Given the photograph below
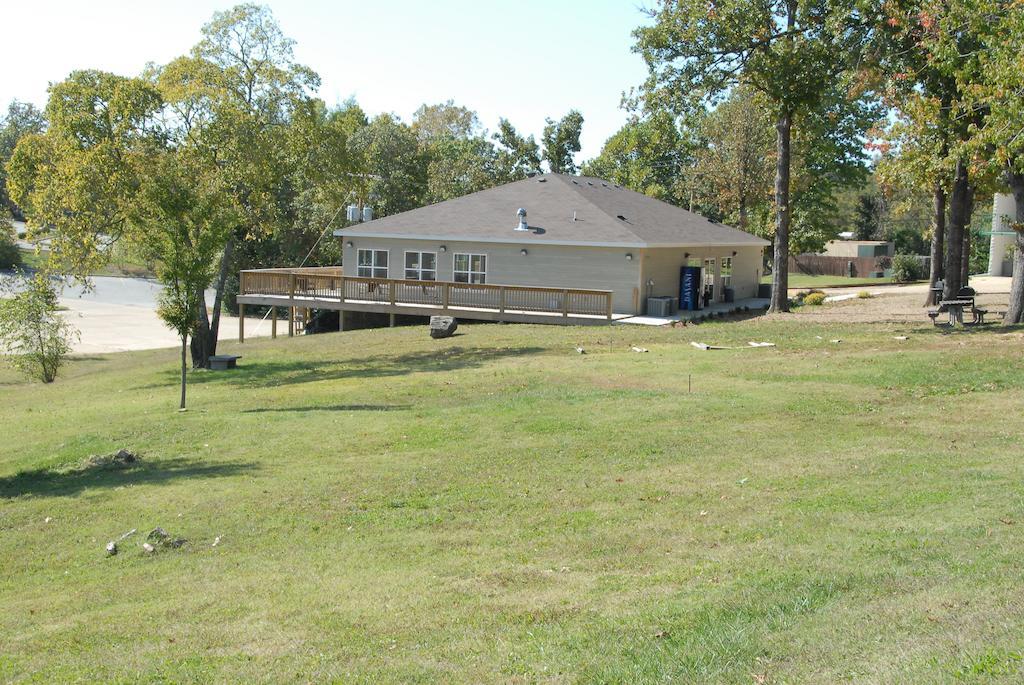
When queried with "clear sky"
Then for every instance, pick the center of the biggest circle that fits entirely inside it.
(524, 59)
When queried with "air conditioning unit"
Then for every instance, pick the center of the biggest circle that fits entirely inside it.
(659, 306)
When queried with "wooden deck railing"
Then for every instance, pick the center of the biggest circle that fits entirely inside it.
(330, 284)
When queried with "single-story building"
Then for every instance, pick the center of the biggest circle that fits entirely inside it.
(859, 249)
(548, 243)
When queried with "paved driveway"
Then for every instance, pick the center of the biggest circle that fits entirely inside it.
(119, 314)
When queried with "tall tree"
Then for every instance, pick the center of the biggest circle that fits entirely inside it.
(22, 119)
(999, 92)
(648, 155)
(394, 163)
(74, 181)
(737, 159)
(230, 100)
(518, 156)
(561, 142)
(791, 51)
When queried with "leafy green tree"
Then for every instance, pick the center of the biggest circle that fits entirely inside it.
(791, 51)
(517, 156)
(460, 158)
(445, 121)
(736, 162)
(181, 217)
(230, 101)
(394, 163)
(1000, 91)
(74, 180)
(34, 336)
(647, 155)
(931, 55)
(561, 142)
(459, 166)
(10, 255)
(22, 119)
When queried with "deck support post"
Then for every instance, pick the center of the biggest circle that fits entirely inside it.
(341, 320)
(391, 320)
(273, 323)
(565, 303)
(445, 295)
(291, 322)
(241, 323)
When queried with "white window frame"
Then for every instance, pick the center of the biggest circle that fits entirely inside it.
(470, 273)
(373, 269)
(418, 269)
(725, 271)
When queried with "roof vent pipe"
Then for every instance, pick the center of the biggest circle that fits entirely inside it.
(523, 226)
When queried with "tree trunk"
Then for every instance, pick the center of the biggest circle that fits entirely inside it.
(938, 234)
(218, 299)
(783, 214)
(1015, 313)
(184, 368)
(959, 201)
(204, 340)
(744, 221)
(965, 257)
(200, 358)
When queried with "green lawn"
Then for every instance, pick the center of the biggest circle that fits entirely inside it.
(807, 281)
(497, 508)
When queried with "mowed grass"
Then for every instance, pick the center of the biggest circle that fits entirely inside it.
(498, 508)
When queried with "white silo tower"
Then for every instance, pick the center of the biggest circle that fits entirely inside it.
(1000, 259)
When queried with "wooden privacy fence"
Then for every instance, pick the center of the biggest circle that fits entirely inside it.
(330, 285)
(824, 265)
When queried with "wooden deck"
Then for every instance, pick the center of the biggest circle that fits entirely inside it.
(329, 288)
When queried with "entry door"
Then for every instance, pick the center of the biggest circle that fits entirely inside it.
(709, 280)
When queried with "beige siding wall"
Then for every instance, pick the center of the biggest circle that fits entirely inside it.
(662, 266)
(554, 266)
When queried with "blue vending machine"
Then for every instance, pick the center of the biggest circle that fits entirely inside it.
(689, 288)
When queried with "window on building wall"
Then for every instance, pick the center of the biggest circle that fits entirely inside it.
(372, 263)
(421, 266)
(726, 272)
(470, 268)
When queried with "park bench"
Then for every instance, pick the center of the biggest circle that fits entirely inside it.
(223, 362)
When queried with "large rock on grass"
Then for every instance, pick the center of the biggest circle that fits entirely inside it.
(443, 326)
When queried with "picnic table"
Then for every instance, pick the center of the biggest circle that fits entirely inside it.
(955, 310)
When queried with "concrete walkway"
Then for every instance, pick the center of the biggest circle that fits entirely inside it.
(718, 308)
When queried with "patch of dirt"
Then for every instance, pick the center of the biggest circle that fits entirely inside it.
(901, 308)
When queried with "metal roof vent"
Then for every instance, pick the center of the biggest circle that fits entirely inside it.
(620, 217)
(523, 226)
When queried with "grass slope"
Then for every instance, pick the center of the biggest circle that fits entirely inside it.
(495, 507)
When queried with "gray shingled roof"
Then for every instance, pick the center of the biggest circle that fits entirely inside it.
(605, 215)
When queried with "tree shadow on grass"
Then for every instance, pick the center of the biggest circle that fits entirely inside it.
(332, 407)
(261, 373)
(67, 482)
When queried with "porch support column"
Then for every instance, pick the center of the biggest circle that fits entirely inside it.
(291, 321)
(273, 323)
